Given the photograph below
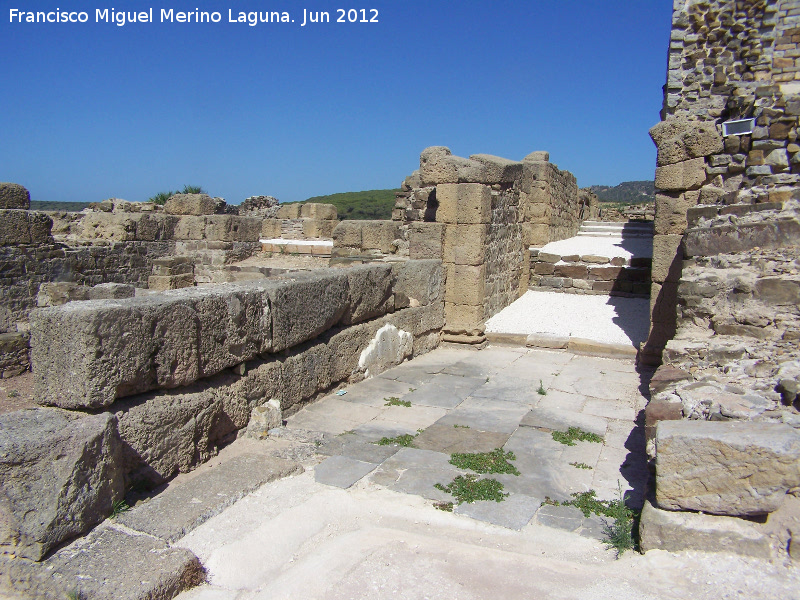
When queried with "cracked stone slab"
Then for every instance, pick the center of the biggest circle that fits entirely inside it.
(353, 446)
(445, 390)
(414, 471)
(514, 512)
(553, 419)
(107, 564)
(341, 471)
(181, 507)
(486, 414)
(455, 438)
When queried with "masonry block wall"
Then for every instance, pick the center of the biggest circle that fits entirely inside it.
(727, 61)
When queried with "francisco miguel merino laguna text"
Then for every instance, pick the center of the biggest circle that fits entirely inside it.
(170, 15)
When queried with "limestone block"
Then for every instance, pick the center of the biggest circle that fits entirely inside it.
(685, 175)
(464, 319)
(465, 244)
(24, 227)
(370, 293)
(435, 168)
(288, 211)
(778, 291)
(61, 473)
(271, 229)
(322, 212)
(190, 204)
(173, 265)
(388, 348)
(680, 531)
(466, 284)
(538, 156)
(535, 234)
(345, 348)
(498, 170)
(741, 237)
(160, 283)
(318, 228)
(379, 235)
(263, 418)
(89, 353)
(671, 212)
(667, 258)
(111, 291)
(306, 305)
(190, 228)
(347, 234)
(169, 432)
(678, 140)
(60, 292)
(466, 203)
(425, 240)
(418, 283)
(13, 195)
(304, 374)
(419, 320)
(232, 228)
(726, 468)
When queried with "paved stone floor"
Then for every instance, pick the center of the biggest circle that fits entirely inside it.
(361, 521)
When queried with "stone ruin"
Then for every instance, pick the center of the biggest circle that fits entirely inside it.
(723, 420)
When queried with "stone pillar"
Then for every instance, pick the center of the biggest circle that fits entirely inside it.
(466, 211)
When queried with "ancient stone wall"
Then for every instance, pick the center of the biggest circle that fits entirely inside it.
(727, 61)
(171, 376)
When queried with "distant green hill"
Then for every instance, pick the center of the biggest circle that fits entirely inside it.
(629, 192)
(62, 206)
(371, 204)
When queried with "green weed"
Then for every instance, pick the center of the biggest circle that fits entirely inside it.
(468, 489)
(404, 440)
(461, 426)
(394, 401)
(495, 461)
(118, 507)
(541, 391)
(445, 506)
(76, 595)
(573, 434)
(580, 465)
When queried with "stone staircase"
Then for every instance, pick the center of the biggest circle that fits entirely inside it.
(604, 258)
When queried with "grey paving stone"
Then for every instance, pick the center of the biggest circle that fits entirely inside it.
(486, 415)
(374, 430)
(183, 506)
(355, 447)
(107, 564)
(538, 485)
(444, 390)
(508, 389)
(469, 369)
(514, 512)
(534, 443)
(568, 518)
(341, 471)
(553, 419)
(373, 391)
(409, 373)
(610, 409)
(414, 471)
(449, 439)
(594, 527)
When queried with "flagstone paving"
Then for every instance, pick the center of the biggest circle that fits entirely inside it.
(466, 401)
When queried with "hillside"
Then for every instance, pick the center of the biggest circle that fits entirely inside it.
(628, 192)
(370, 204)
(63, 206)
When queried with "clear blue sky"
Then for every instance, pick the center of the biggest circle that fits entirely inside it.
(92, 111)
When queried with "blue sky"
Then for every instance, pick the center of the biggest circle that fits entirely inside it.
(92, 111)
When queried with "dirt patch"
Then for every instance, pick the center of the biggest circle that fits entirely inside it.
(16, 393)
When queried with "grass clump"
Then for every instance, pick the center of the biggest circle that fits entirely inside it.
(580, 465)
(461, 426)
(162, 197)
(118, 507)
(445, 506)
(619, 520)
(395, 401)
(404, 440)
(541, 391)
(76, 595)
(495, 461)
(573, 434)
(468, 489)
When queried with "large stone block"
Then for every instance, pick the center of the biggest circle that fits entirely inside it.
(418, 283)
(671, 211)
(322, 212)
(465, 203)
(708, 241)
(304, 374)
(306, 305)
(125, 227)
(667, 258)
(318, 228)
(379, 235)
(725, 468)
(466, 284)
(436, 166)
(13, 195)
(190, 204)
(370, 293)
(288, 211)
(465, 244)
(686, 175)
(170, 432)
(680, 531)
(86, 354)
(347, 234)
(24, 227)
(232, 228)
(425, 240)
(271, 229)
(679, 140)
(498, 170)
(463, 319)
(61, 473)
(778, 291)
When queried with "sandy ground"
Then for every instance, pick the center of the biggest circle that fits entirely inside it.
(601, 246)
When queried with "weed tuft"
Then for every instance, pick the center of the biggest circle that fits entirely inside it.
(118, 507)
(495, 461)
(76, 594)
(461, 426)
(573, 434)
(445, 506)
(395, 401)
(468, 489)
(580, 465)
(541, 391)
(404, 440)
